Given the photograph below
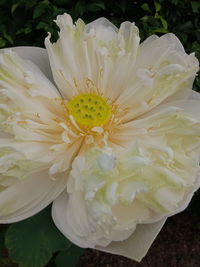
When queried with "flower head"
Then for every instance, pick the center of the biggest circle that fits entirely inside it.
(119, 136)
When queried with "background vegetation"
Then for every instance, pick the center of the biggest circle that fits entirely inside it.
(26, 23)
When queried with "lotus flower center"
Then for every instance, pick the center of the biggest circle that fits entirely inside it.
(89, 109)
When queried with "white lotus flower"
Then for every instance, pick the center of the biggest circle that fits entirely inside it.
(116, 146)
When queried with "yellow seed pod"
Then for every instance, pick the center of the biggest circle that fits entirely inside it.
(89, 109)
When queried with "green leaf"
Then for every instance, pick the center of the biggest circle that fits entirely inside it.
(32, 241)
(96, 6)
(175, 2)
(195, 6)
(14, 7)
(159, 30)
(30, 4)
(164, 23)
(40, 9)
(69, 257)
(61, 2)
(145, 7)
(8, 37)
(196, 46)
(2, 42)
(145, 18)
(80, 8)
(41, 25)
(157, 6)
(26, 30)
(2, 245)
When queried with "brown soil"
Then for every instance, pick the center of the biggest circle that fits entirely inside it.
(177, 245)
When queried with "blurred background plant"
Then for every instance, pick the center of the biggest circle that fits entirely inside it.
(26, 23)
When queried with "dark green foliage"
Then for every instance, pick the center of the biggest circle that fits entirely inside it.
(2, 246)
(32, 242)
(27, 22)
(68, 257)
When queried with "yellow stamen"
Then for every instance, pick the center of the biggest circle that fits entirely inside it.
(89, 109)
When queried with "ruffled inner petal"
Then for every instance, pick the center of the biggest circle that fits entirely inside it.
(97, 51)
(155, 177)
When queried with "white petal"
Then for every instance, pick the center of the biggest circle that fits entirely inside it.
(97, 51)
(71, 219)
(29, 196)
(21, 198)
(162, 70)
(185, 202)
(137, 245)
(194, 95)
(38, 56)
(168, 39)
(188, 102)
(103, 29)
(23, 73)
